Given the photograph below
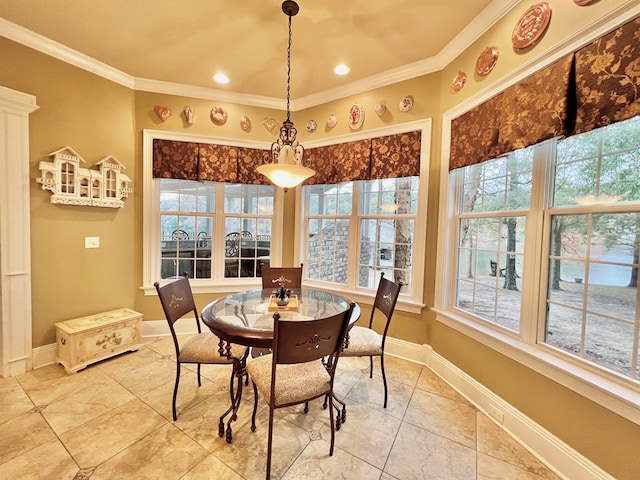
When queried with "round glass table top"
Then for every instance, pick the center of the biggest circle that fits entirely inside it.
(247, 317)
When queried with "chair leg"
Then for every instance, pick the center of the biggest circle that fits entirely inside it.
(199, 378)
(270, 441)
(370, 367)
(384, 379)
(175, 392)
(333, 427)
(255, 408)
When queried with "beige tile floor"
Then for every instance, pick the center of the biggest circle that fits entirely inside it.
(112, 420)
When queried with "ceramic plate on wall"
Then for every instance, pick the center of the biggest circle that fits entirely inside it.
(406, 104)
(356, 116)
(458, 81)
(486, 61)
(531, 26)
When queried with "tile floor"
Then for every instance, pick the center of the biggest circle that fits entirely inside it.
(112, 420)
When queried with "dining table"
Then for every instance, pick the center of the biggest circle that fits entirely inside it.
(246, 318)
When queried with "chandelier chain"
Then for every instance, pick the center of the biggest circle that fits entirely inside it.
(289, 69)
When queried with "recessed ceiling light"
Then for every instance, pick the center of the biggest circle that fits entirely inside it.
(341, 69)
(221, 78)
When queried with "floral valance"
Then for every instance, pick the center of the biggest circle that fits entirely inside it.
(391, 156)
(177, 160)
(383, 157)
(206, 161)
(474, 135)
(595, 86)
(395, 156)
(608, 78)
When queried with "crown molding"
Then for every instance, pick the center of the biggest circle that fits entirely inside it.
(65, 54)
(483, 21)
(169, 88)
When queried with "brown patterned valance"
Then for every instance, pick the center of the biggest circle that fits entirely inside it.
(390, 156)
(173, 159)
(396, 156)
(608, 78)
(352, 161)
(474, 135)
(385, 157)
(536, 108)
(321, 159)
(217, 163)
(206, 161)
(595, 86)
(248, 160)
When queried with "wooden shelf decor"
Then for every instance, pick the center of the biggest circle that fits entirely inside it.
(72, 184)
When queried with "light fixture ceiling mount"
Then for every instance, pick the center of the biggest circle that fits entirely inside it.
(285, 167)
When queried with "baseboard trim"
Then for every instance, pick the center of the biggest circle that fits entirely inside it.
(553, 452)
(560, 457)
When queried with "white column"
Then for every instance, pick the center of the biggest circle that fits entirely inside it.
(15, 241)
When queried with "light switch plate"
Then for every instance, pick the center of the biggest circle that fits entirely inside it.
(91, 242)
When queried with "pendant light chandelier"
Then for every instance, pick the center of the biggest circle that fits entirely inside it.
(285, 168)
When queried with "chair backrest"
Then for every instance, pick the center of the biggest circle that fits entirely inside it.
(177, 301)
(300, 341)
(385, 301)
(292, 276)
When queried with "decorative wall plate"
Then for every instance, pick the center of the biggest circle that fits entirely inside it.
(163, 112)
(380, 109)
(219, 115)
(406, 103)
(458, 81)
(486, 61)
(245, 123)
(269, 124)
(356, 116)
(531, 26)
(582, 3)
(311, 126)
(332, 121)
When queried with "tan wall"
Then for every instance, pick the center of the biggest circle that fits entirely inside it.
(95, 118)
(99, 118)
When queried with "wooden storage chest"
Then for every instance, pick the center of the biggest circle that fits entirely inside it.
(86, 340)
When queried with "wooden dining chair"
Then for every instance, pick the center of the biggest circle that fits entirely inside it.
(177, 301)
(366, 342)
(291, 275)
(295, 373)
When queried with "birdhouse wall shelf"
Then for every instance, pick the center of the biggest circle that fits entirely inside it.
(103, 185)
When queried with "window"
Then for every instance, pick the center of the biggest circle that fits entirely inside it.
(188, 220)
(353, 231)
(495, 200)
(546, 251)
(594, 228)
(220, 234)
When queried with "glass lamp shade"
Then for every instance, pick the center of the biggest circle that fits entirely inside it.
(287, 173)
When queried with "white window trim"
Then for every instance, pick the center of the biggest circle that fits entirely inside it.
(150, 205)
(618, 396)
(415, 302)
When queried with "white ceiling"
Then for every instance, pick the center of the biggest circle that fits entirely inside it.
(186, 42)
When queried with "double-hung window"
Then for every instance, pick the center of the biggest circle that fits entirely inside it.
(219, 234)
(543, 252)
(354, 231)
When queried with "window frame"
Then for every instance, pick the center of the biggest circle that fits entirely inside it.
(151, 208)
(615, 394)
(413, 303)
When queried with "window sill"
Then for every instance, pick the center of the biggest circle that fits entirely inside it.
(206, 286)
(619, 397)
